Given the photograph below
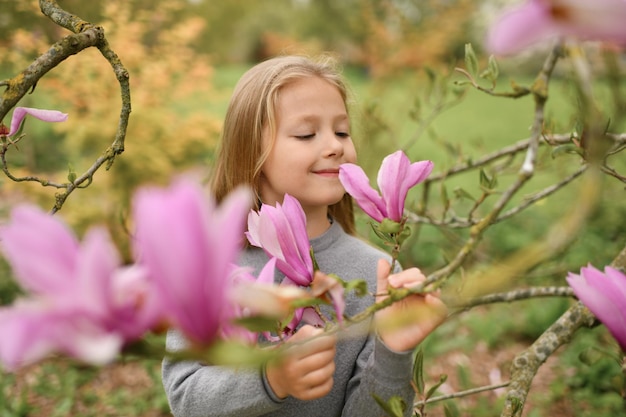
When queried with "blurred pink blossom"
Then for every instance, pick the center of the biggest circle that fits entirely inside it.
(604, 294)
(79, 300)
(260, 297)
(281, 232)
(538, 20)
(189, 246)
(396, 176)
(46, 115)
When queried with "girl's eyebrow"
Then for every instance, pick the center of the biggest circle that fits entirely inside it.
(315, 117)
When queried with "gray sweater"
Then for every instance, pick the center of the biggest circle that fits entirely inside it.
(363, 364)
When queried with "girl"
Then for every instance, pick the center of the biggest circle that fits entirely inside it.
(287, 131)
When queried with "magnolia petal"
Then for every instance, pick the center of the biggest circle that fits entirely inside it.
(356, 183)
(396, 177)
(297, 220)
(290, 223)
(415, 174)
(598, 20)
(267, 300)
(135, 305)
(190, 266)
(38, 330)
(598, 293)
(229, 223)
(41, 250)
(46, 115)
(266, 276)
(90, 345)
(616, 276)
(601, 20)
(310, 316)
(264, 233)
(254, 220)
(95, 267)
(281, 232)
(25, 323)
(511, 32)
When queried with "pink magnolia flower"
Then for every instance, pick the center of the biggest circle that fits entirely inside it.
(396, 176)
(188, 246)
(261, 297)
(80, 302)
(250, 296)
(281, 232)
(604, 294)
(538, 20)
(46, 115)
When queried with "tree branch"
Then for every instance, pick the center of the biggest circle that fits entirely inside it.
(526, 364)
(516, 295)
(84, 35)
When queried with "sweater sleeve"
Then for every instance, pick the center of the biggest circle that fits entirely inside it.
(379, 371)
(196, 390)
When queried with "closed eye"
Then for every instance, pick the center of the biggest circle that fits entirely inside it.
(305, 137)
(343, 134)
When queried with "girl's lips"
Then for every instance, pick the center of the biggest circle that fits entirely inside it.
(327, 172)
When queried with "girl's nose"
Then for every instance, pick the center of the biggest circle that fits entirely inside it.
(333, 145)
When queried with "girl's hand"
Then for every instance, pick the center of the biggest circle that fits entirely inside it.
(406, 323)
(306, 370)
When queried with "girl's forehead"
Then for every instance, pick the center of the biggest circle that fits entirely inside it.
(310, 94)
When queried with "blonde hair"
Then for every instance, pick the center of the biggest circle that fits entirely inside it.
(252, 107)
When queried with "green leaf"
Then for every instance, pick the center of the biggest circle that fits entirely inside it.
(435, 387)
(315, 265)
(590, 356)
(567, 148)
(404, 234)
(390, 226)
(517, 405)
(393, 408)
(382, 236)
(358, 285)
(470, 59)
(491, 72)
(418, 371)
(307, 302)
(486, 182)
(71, 175)
(232, 353)
(460, 193)
(257, 323)
(493, 67)
(450, 409)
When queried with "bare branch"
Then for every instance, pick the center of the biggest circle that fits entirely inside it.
(84, 35)
(540, 93)
(526, 364)
(517, 295)
(19, 85)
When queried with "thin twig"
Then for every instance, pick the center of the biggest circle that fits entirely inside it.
(462, 394)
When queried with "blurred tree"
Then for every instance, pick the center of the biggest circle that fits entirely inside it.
(168, 132)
